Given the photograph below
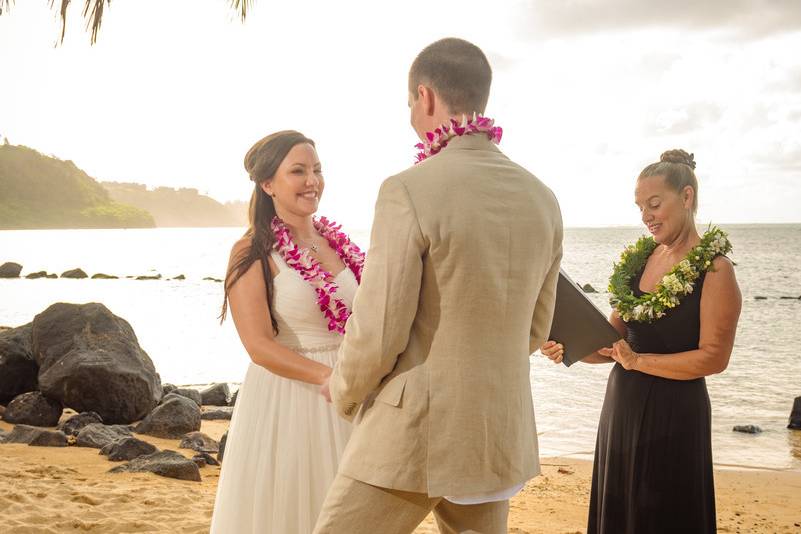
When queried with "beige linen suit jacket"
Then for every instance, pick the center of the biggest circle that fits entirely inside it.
(458, 290)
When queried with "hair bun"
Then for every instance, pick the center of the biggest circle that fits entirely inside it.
(678, 155)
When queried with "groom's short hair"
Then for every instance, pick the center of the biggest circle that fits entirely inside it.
(457, 70)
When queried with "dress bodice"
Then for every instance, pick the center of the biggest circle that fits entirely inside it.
(678, 331)
(301, 324)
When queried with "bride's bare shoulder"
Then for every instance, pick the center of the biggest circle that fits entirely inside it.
(241, 249)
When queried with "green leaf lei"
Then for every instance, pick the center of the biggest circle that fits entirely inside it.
(675, 284)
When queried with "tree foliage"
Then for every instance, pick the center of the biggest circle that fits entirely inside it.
(38, 191)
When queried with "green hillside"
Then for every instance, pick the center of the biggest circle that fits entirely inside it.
(38, 191)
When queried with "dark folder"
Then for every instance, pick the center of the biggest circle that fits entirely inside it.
(577, 323)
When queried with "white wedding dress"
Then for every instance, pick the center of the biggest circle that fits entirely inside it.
(285, 440)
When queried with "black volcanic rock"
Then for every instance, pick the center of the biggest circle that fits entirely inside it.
(216, 395)
(127, 449)
(33, 409)
(172, 419)
(200, 442)
(49, 438)
(221, 413)
(23, 434)
(18, 368)
(149, 277)
(76, 423)
(223, 441)
(90, 360)
(165, 463)
(747, 429)
(795, 415)
(205, 459)
(97, 436)
(189, 393)
(74, 273)
(10, 270)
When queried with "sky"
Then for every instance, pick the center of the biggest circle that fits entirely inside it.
(588, 92)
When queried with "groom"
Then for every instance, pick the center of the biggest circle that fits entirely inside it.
(457, 291)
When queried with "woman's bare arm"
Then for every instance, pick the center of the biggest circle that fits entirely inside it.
(248, 304)
(721, 303)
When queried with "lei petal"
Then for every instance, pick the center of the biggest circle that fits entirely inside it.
(439, 138)
(334, 310)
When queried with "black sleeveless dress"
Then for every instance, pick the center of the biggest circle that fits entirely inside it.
(653, 456)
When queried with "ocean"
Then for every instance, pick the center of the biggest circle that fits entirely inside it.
(176, 323)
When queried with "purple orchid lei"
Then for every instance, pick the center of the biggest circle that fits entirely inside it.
(335, 310)
(439, 138)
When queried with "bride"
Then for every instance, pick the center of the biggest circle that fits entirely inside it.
(290, 286)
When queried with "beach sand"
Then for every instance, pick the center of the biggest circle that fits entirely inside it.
(57, 490)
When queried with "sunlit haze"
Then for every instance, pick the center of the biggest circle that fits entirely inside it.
(174, 93)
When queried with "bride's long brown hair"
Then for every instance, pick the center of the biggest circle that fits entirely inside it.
(261, 162)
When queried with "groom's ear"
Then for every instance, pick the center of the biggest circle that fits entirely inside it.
(428, 99)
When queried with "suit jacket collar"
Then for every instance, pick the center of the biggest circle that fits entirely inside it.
(477, 141)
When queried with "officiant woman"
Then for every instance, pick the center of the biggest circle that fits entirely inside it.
(676, 304)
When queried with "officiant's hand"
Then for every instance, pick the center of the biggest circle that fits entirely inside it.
(553, 351)
(325, 391)
(621, 352)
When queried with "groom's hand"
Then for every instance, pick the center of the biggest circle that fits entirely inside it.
(325, 390)
(553, 351)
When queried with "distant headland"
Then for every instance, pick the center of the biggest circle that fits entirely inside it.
(43, 192)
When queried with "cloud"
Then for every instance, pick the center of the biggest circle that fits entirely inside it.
(782, 157)
(685, 119)
(744, 18)
(789, 83)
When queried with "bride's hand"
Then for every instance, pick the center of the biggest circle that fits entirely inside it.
(621, 352)
(325, 391)
(553, 351)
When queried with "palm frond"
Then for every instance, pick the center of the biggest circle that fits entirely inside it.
(242, 6)
(5, 5)
(96, 7)
(93, 13)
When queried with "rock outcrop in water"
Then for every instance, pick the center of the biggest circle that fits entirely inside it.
(10, 270)
(748, 429)
(795, 415)
(74, 273)
(103, 276)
